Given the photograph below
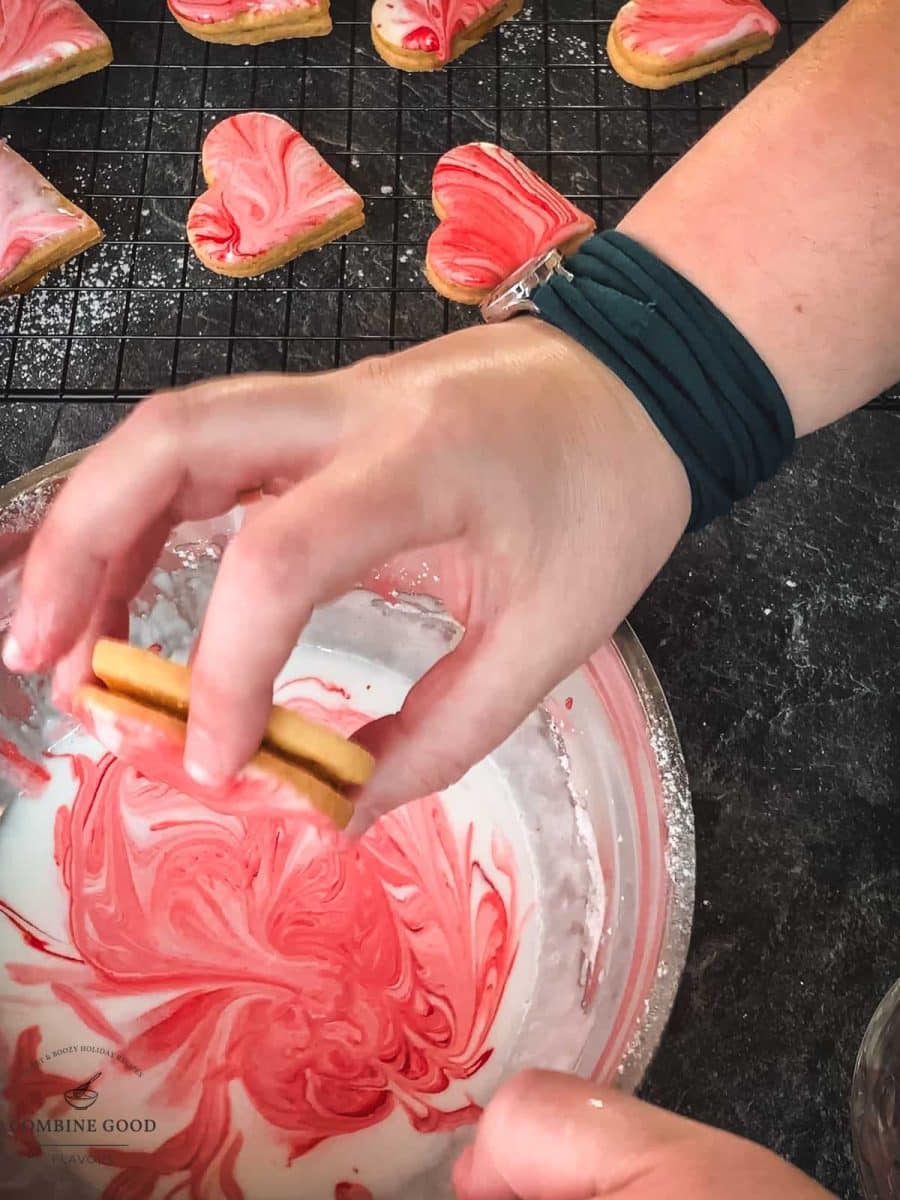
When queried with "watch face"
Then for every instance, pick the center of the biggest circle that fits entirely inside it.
(513, 296)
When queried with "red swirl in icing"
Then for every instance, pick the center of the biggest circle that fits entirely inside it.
(29, 1089)
(24, 774)
(30, 212)
(426, 25)
(37, 34)
(208, 12)
(331, 985)
(678, 30)
(498, 214)
(268, 185)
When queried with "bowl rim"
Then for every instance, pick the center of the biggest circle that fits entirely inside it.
(55, 468)
(677, 814)
(673, 793)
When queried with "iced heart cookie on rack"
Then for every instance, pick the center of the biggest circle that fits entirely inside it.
(496, 215)
(424, 35)
(658, 43)
(271, 196)
(44, 43)
(39, 228)
(250, 22)
(140, 714)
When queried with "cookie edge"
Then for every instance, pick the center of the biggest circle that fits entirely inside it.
(314, 792)
(32, 83)
(53, 253)
(350, 218)
(473, 296)
(418, 61)
(255, 28)
(654, 73)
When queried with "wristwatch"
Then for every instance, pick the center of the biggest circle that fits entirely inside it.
(513, 297)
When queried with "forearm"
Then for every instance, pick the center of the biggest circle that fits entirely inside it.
(787, 215)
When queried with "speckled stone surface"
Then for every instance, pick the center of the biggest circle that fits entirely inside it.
(776, 633)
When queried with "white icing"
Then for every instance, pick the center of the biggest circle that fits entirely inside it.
(521, 791)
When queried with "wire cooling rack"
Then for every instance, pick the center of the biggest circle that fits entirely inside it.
(139, 312)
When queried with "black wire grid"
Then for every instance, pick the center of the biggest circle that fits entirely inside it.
(139, 312)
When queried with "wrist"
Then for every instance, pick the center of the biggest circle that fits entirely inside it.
(700, 381)
(644, 478)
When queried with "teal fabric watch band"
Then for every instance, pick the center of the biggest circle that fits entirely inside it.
(704, 386)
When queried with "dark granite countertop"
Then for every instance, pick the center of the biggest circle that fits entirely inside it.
(776, 635)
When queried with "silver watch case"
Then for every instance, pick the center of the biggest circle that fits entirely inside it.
(513, 297)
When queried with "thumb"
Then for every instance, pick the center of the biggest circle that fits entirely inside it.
(547, 1136)
(554, 1137)
(459, 711)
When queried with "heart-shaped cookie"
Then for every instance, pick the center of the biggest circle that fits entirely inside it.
(424, 35)
(39, 228)
(271, 196)
(496, 214)
(658, 43)
(249, 22)
(44, 43)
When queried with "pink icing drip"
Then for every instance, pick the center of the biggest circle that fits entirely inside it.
(683, 29)
(335, 984)
(269, 186)
(25, 774)
(30, 212)
(428, 25)
(498, 215)
(209, 11)
(35, 34)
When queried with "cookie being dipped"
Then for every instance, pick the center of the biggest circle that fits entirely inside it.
(140, 714)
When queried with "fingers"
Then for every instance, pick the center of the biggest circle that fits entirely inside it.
(109, 617)
(301, 550)
(190, 451)
(461, 710)
(554, 1137)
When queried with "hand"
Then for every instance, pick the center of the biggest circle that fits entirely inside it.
(553, 1137)
(546, 496)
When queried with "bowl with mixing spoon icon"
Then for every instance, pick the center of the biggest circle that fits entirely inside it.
(84, 1095)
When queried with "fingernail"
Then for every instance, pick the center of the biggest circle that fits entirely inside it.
(13, 656)
(202, 760)
(22, 643)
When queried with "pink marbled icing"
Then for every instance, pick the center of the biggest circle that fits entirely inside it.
(680, 30)
(30, 212)
(428, 26)
(36, 35)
